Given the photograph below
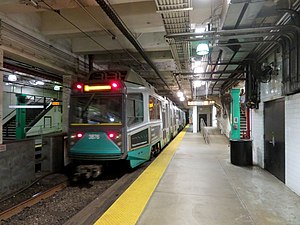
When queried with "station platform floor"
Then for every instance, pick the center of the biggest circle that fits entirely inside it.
(194, 183)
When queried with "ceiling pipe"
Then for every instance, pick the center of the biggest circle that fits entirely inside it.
(225, 63)
(234, 32)
(231, 79)
(106, 7)
(207, 73)
(96, 20)
(224, 70)
(216, 79)
(215, 65)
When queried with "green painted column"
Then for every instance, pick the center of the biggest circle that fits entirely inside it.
(235, 114)
(20, 117)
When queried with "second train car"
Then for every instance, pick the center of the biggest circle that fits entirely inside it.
(117, 115)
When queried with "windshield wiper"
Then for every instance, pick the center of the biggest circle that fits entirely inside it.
(85, 108)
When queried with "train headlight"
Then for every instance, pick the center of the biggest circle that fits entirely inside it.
(75, 137)
(116, 138)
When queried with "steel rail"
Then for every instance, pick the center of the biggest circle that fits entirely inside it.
(32, 201)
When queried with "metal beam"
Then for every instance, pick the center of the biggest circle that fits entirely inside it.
(234, 32)
(208, 73)
(226, 63)
(216, 79)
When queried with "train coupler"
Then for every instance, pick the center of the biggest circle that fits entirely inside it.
(88, 171)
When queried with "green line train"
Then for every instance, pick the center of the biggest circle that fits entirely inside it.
(117, 115)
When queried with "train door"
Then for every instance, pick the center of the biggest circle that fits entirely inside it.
(274, 138)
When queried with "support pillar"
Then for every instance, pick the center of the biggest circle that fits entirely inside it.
(235, 114)
(195, 119)
(67, 84)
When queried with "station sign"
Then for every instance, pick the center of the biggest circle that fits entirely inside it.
(56, 103)
(195, 103)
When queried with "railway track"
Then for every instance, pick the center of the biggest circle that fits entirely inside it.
(32, 201)
(73, 203)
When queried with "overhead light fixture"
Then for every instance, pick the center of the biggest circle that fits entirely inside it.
(26, 106)
(202, 49)
(198, 83)
(33, 82)
(12, 77)
(179, 94)
(56, 88)
(206, 102)
(39, 82)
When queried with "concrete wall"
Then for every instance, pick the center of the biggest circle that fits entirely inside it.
(17, 166)
(53, 153)
(224, 125)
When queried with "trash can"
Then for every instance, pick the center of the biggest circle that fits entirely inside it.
(241, 152)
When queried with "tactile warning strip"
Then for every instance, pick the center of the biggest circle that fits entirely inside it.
(129, 206)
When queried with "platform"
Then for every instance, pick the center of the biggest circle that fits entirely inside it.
(201, 186)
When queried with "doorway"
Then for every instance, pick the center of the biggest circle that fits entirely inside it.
(204, 117)
(274, 138)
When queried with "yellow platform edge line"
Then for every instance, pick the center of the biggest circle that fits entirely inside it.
(127, 209)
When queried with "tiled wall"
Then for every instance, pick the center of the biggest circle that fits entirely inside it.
(292, 142)
(257, 135)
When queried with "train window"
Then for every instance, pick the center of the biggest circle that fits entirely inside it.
(134, 108)
(93, 109)
(154, 108)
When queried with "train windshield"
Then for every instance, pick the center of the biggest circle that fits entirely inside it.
(96, 109)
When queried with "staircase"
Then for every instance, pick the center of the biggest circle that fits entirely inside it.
(243, 125)
(9, 128)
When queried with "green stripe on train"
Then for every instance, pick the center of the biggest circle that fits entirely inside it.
(139, 156)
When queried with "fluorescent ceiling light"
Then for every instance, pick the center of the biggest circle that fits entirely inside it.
(39, 82)
(198, 83)
(12, 77)
(179, 94)
(199, 29)
(56, 88)
(26, 106)
(202, 49)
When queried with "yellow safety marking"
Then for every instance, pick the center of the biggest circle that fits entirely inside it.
(128, 207)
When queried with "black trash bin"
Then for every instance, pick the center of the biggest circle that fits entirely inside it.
(241, 152)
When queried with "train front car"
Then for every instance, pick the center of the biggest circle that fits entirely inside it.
(96, 125)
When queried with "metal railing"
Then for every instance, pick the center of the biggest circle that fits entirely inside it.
(41, 130)
(204, 131)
